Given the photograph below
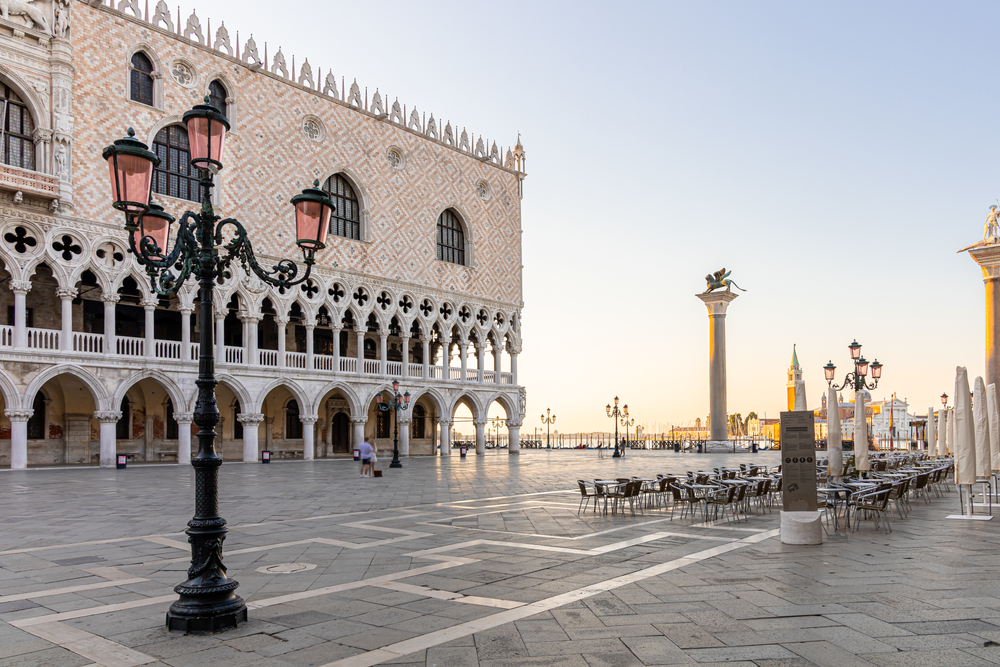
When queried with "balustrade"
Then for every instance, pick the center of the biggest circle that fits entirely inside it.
(234, 355)
(394, 368)
(472, 374)
(127, 346)
(416, 370)
(168, 349)
(195, 351)
(43, 339)
(295, 359)
(348, 365)
(88, 342)
(372, 366)
(454, 373)
(488, 376)
(436, 372)
(323, 362)
(506, 378)
(6, 336)
(268, 357)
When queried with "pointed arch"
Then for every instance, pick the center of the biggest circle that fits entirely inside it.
(173, 391)
(26, 92)
(345, 390)
(362, 194)
(434, 396)
(471, 401)
(97, 390)
(507, 403)
(11, 398)
(463, 219)
(293, 387)
(233, 384)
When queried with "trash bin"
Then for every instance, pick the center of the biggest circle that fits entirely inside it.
(753, 447)
(677, 447)
(122, 462)
(357, 454)
(265, 456)
(700, 447)
(462, 451)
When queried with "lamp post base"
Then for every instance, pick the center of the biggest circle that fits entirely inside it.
(192, 616)
(395, 464)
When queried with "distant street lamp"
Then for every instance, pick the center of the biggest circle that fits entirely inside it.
(397, 404)
(497, 422)
(617, 414)
(944, 401)
(626, 422)
(548, 421)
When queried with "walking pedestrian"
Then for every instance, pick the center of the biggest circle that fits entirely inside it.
(366, 451)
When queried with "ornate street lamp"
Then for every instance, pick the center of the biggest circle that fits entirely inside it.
(616, 414)
(496, 423)
(944, 401)
(855, 380)
(208, 600)
(397, 404)
(626, 422)
(548, 421)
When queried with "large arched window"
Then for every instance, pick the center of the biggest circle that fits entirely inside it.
(170, 422)
(346, 218)
(123, 429)
(175, 176)
(36, 422)
(217, 95)
(417, 428)
(382, 424)
(18, 126)
(293, 425)
(237, 424)
(141, 79)
(450, 238)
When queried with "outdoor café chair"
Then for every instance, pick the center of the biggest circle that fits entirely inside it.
(723, 498)
(588, 492)
(872, 504)
(686, 497)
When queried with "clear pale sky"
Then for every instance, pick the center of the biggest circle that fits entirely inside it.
(834, 156)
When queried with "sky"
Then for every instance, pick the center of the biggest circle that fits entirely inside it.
(834, 156)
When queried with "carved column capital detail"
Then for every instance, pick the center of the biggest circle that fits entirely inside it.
(16, 415)
(108, 416)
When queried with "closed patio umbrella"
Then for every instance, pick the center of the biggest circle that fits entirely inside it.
(965, 434)
(860, 433)
(834, 439)
(800, 397)
(951, 431)
(993, 410)
(943, 433)
(931, 432)
(980, 414)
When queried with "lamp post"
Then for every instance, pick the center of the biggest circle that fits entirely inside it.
(944, 401)
(548, 419)
(616, 414)
(397, 404)
(204, 247)
(496, 423)
(626, 422)
(855, 380)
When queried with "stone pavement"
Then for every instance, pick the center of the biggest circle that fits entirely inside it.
(482, 561)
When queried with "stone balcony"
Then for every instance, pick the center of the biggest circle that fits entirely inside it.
(30, 182)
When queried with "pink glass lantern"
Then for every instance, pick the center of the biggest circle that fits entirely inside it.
(207, 128)
(130, 164)
(312, 217)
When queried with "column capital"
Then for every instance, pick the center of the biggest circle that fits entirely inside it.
(250, 318)
(514, 423)
(21, 287)
(16, 415)
(444, 421)
(308, 420)
(186, 309)
(988, 258)
(149, 303)
(480, 422)
(282, 321)
(111, 298)
(359, 420)
(250, 418)
(360, 329)
(67, 292)
(108, 416)
(403, 421)
(383, 334)
(183, 417)
(717, 302)
(404, 335)
(309, 324)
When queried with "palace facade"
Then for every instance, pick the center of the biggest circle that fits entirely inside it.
(420, 281)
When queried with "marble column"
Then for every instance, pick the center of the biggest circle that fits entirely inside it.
(20, 288)
(269, 433)
(110, 303)
(109, 445)
(463, 352)
(404, 437)
(513, 437)
(149, 305)
(404, 343)
(220, 338)
(310, 346)
(446, 360)
(988, 258)
(383, 347)
(250, 339)
(282, 323)
(359, 431)
(717, 304)
(251, 432)
(186, 340)
(513, 366)
(184, 420)
(361, 352)
(480, 436)
(66, 296)
(497, 351)
(425, 341)
(308, 434)
(336, 350)
(481, 359)
(445, 439)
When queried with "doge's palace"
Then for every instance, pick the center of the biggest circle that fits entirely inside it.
(420, 281)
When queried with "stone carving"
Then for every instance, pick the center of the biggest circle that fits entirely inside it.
(449, 136)
(18, 197)
(483, 190)
(108, 416)
(414, 123)
(193, 28)
(162, 14)
(354, 97)
(395, 158)
(330, 86)
(313, 128)
(131, 4)
(480, 148)
(721, 279)
(431, 128)
(509, 160)
(110, 256)
(254, 285)
(463, 143)
(250, 53)
(306, 75)
(222, 40)
(181, 73)
(396, 114)
(376, 107)
(62, 170)
(494, 154)
(279, 64)
(62, 19)
(991, 227)
(24, 8)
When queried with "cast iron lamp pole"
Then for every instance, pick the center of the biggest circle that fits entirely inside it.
(208, 600)
(617, 414)
(496, 423)
(548, 421)
(397, 404)
(626, 422)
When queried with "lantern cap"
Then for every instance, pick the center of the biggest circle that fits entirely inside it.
(206, 110)
(129, 145)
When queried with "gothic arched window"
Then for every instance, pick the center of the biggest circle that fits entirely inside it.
(18, 126)
(293, 425)
(382, 424)
(450, 238)
(417, 428)
(36, 423)
(217, 95)
(141, 79)
(124, 426)
(175, 176)
(346, 218)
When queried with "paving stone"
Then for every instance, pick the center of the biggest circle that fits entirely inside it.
(688, 635)
(452, 657)
(656, 651)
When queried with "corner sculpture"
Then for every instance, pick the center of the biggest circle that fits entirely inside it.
(720, 279)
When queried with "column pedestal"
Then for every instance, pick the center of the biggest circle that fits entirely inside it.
(184, 420)
(251, 423)
(308, 432)
(717, 304)
(480, 437)
(109, 424)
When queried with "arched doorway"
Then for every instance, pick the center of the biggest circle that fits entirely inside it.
(340, 434)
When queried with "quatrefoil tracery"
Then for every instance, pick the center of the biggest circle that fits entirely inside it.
(361, 296)
(337, 292)
(67, 247)
(406, 303)
(384, 301)
(21, 239)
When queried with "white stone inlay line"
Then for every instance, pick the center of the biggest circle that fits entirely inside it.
(451, 596)
(407, 646)
(114, 576)
(91, 611)
(102, 651)
(167, 542)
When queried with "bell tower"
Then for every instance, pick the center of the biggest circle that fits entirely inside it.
(794, 377)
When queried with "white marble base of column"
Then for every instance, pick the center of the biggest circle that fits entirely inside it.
(184, 421)
(109, 443)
